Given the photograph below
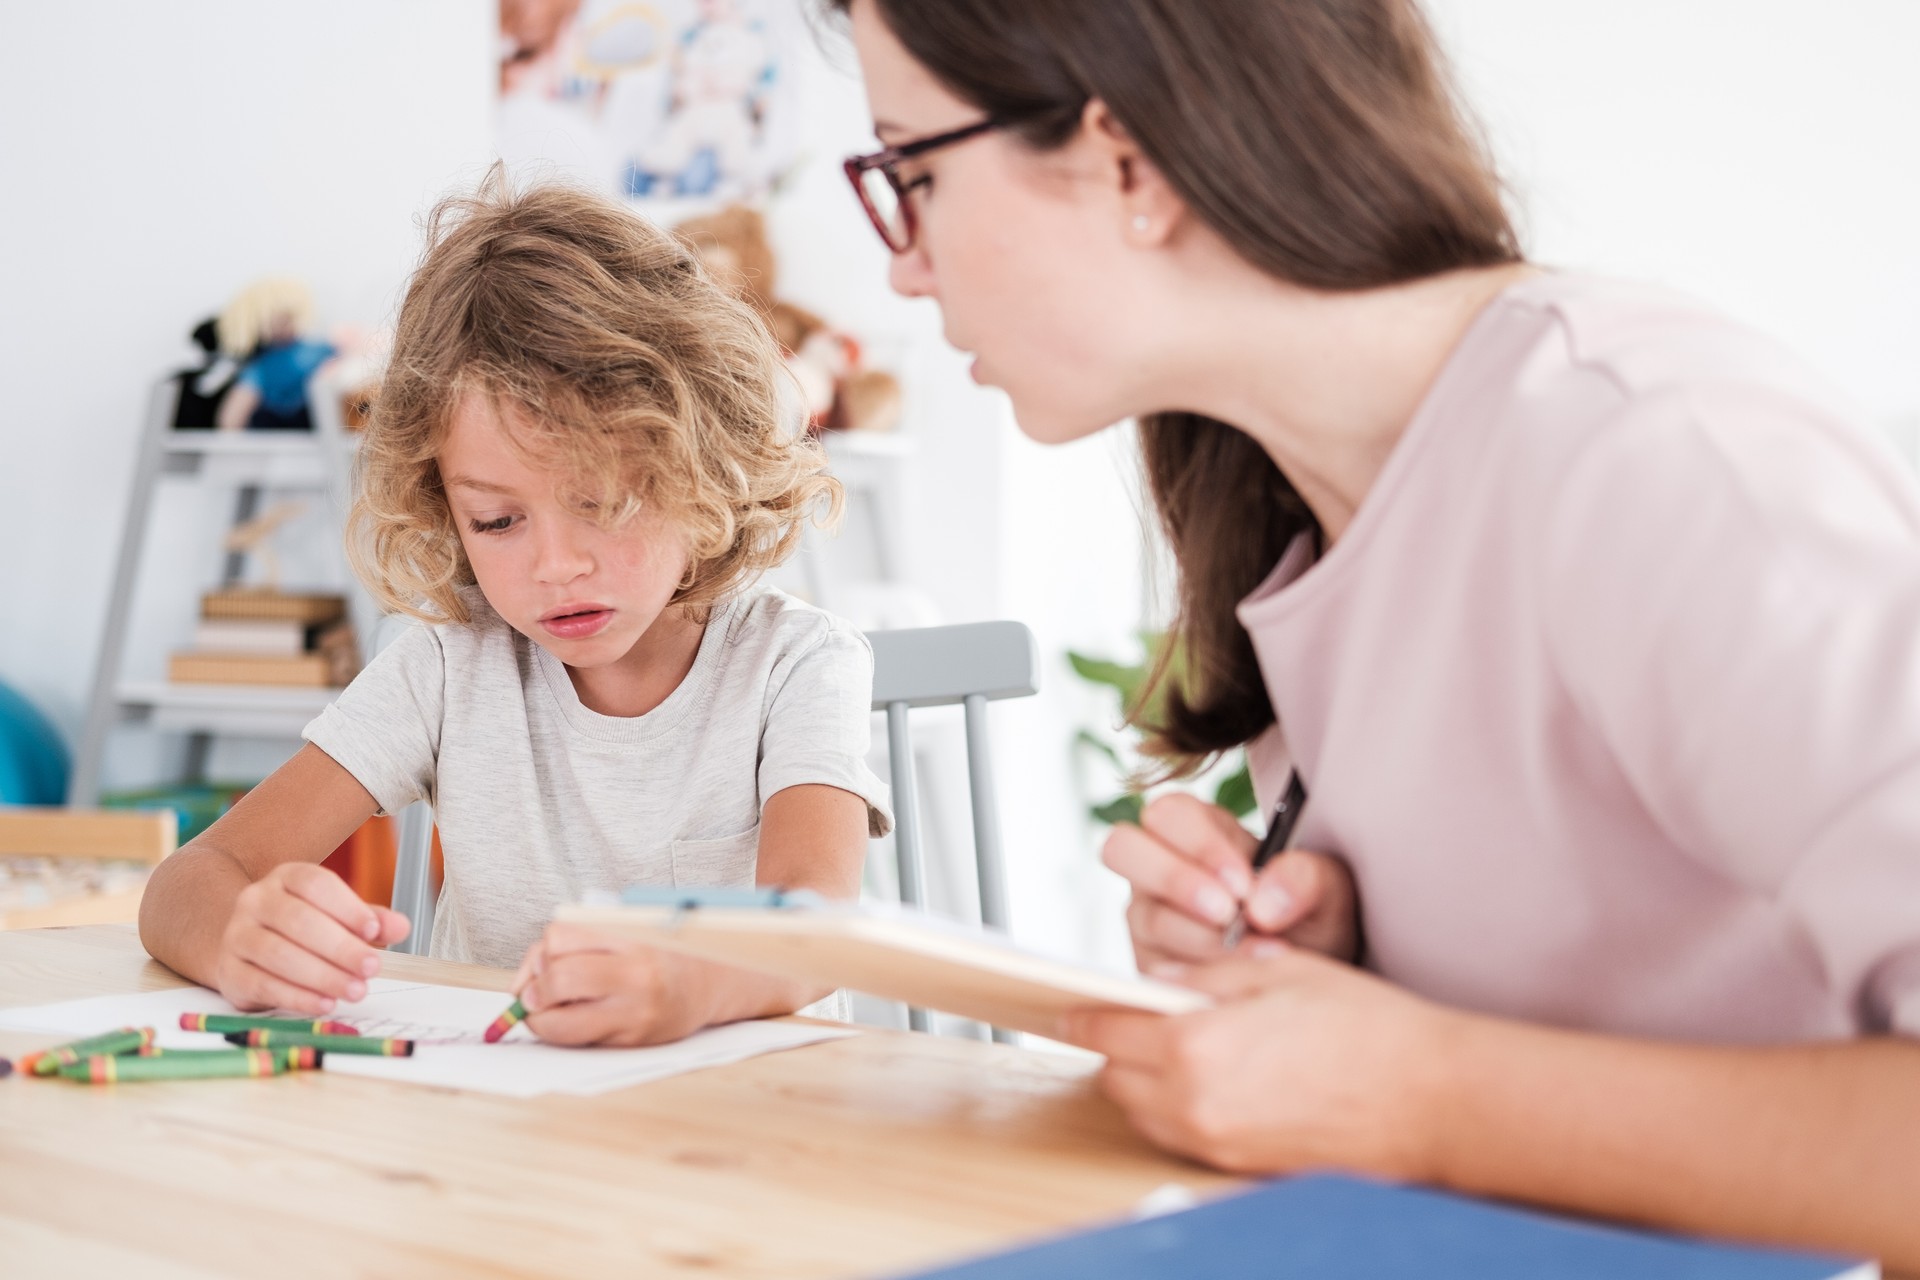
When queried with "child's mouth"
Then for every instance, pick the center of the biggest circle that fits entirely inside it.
(577, 624)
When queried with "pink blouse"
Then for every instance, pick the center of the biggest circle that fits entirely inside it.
(1610, 694)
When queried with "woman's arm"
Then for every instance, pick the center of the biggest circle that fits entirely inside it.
(580, 986)
(1813, 1144)
(244, 908)
(1306, 1063)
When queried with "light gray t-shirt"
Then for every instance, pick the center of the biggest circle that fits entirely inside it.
(540, 800)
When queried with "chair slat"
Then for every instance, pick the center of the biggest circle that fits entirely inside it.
(943, 666)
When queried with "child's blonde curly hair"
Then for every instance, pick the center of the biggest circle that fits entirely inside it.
(635, 376)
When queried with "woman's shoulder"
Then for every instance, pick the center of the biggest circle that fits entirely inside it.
(1628, 390)
(1647, 340)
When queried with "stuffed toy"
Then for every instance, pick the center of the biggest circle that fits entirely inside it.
(839, 393)
(203, 388)
(262, 327)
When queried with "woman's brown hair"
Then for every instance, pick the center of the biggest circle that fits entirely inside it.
(1318, 138)
(631, 374)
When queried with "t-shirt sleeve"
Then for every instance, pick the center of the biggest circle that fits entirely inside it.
(384, 728)
(819, 724)
(1732, 587)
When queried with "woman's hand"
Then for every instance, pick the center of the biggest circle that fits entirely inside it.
(1189, 863)
(299, 939)
(581, 987)
(1303, 1063)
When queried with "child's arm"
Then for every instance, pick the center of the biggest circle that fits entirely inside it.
(1310, 1064)
(244, 908)
(583, 987)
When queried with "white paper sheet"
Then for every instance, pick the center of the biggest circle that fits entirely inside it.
(446, 1025)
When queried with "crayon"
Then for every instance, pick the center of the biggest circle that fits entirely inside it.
(374, 1045)
(226, 1022)
(6, 1068)
(125, 1040)
(299, 1058)
(181, 1064)
(516, 1012)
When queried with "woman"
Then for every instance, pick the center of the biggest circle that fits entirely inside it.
(1591, 628)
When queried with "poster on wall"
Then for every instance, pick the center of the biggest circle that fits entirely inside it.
(681, 105)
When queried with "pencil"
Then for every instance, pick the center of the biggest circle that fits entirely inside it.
(1279, 831)
(516, 1013)
(225, 1022)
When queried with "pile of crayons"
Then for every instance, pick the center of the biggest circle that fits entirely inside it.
(263, 1047)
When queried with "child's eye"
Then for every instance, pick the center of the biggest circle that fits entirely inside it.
(499, 524)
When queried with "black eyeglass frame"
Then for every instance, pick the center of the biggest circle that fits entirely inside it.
(888, 163)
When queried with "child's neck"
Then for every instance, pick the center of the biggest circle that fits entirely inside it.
(649, 672)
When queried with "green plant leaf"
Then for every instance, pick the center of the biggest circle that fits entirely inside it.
(1085, 738)
(1117, 810)
(1235, 793)
(1119, 676)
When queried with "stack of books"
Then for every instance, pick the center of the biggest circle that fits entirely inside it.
(269, 637)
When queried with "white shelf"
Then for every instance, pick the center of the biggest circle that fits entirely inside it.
(247, 444)
(276, 459)
(246, 710)
(866, 444)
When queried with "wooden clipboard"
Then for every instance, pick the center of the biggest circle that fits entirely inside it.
(894, 954)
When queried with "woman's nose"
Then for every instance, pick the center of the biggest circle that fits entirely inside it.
(911, 274)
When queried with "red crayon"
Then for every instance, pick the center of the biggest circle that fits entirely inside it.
(505, 1022)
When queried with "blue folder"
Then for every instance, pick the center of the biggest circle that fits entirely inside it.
(1333, 1227)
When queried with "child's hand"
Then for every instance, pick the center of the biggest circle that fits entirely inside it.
(1189, 863)
(1302, 1064)
(580, 986)
(300, 940)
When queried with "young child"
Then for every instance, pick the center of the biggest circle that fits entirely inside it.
(579, 462)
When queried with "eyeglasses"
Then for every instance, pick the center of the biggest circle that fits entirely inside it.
(876, 180)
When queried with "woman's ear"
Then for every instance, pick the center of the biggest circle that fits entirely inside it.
(1147, 204)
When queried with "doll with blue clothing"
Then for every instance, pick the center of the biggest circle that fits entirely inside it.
(263, 328)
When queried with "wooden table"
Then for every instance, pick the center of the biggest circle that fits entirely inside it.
(866, 1156)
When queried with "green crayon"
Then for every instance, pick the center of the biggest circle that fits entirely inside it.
(225, 1023)
(376, 1046)
(302, 1057)
(180, 1064)
(125, 1040)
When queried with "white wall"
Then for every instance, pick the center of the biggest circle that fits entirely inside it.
(1763, 154)
(153, 159)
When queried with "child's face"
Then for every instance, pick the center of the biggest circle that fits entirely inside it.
(584, 593)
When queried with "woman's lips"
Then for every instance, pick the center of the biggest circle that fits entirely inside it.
(577, 626)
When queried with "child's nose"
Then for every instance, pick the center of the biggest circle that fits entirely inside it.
(562, 558)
